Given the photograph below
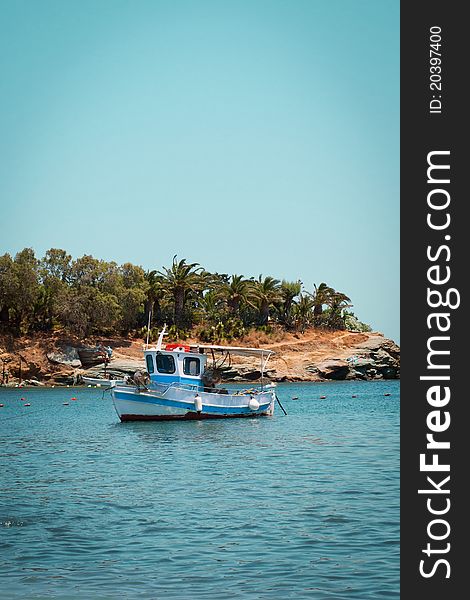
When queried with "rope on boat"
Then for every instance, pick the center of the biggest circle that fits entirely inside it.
(106, 391)
(279, 402)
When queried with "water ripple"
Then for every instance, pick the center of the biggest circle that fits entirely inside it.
(303, 506)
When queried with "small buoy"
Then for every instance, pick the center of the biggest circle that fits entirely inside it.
(73, 398)
(27, 404)
(198, 403)
(387, 394)
(253, 404)
(322, 397)
(65, 403)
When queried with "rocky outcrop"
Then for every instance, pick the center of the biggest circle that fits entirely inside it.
(341, 356)
(117, 368)
(328, 356)
(67, 355)
(333, 368)
(376, 358)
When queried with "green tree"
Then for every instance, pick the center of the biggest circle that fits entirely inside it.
(211, 307)
(321, 297)
(54, 276)
(56, 265)
(338, 303)
(352, 323)
(7, 288)
(133, 276)
(237, 292)
(155, 296)
(21, 289)
(289, 290)
(85, 271)
(131, 295)
(131, 301)
(303, 312)
(267, 292)
(87, 310)
(181, 280)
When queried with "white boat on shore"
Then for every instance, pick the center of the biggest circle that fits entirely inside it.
(179, 385)
(102, 382)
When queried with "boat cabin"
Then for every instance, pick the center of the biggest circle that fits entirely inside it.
(182, 364)
(175, 363)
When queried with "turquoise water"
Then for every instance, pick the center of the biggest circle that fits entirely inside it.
(303, 506)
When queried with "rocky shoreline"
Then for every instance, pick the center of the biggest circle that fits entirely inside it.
(314, 356)
(334, 356)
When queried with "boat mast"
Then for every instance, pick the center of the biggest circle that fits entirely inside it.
(148, 330)
(262, 370)
(264, 364)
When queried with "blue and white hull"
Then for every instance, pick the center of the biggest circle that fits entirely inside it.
(164, 403)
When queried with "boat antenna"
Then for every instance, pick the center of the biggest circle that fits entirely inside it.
(262, 370)
(148, 330)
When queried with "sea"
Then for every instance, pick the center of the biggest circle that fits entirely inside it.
(303, 505)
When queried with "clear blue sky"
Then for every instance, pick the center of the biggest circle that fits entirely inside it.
(251, 136)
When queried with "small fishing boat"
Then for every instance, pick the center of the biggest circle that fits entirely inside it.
(102, 382)
(179, 384)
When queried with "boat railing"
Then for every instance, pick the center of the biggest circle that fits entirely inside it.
(164, 388)
(192, 387)
(242, 391)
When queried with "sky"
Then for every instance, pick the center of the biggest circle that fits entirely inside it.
(250, 136)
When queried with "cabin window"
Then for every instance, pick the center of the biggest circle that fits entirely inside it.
(165, 363)
(191, 366)
(150, 367)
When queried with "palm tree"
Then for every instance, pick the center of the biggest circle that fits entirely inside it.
(302, 312)
(289, 290)
(321, 296)
(338, 302)
(236, 292)
(180, 280)
(267, 292)
(155, 294)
